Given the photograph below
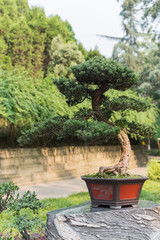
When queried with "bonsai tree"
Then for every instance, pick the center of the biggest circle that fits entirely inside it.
(93, 80)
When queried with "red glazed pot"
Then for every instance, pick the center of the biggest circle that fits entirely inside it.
(114, 193)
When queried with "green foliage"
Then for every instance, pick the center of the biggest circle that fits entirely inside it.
(151, 12)
(122, 103)
(7, 192)
(141, 130)
(109, 82)
(84, 114)
(62, 56)
(133, 46)
(24, 102)
(38, 233)
(28, 200)
(74, 92)
(154, 169)
(68, 131)
(107, 71)
(16, 205)
(26, 35)
(149, 83)
(90, 54)
(90, 133)
(19, 51)
(151, 191)
(93, 53)
(139, 47)
(43, 132)
(22, 221)
(129, 110)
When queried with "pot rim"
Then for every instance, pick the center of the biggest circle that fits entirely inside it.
(116, 179)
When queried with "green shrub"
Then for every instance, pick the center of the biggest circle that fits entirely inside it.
(7, 191)
(22, 221)
(60, 130)
(25, 101)
(42, 133)
(154, 170)
(19, 207)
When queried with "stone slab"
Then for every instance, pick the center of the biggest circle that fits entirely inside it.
(83, 222)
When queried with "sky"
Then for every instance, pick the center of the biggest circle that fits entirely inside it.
(88, 18)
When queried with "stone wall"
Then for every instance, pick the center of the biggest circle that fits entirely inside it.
(37, 165)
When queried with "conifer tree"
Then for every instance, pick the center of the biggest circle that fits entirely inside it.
(93, 79)
(130, 50)
(63, 55)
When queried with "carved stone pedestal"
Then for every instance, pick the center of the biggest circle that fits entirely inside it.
(83, 222)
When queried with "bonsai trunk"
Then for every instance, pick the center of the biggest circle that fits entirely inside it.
(25, 235)
(122, 165)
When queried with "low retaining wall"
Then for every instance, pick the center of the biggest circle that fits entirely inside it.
(37, 165)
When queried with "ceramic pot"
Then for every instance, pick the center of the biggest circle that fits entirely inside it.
(114, 193)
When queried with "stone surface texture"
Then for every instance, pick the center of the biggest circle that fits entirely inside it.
(40, 165)
(85, 223)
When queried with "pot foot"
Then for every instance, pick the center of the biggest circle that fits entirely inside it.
(115, 207)
(95, 206)
(135, 205)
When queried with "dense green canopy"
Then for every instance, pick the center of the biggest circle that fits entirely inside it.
(100, 71)
(94, 79)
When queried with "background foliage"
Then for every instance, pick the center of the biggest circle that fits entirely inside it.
(37, 51)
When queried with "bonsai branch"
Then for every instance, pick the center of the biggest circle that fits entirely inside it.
(25, 234)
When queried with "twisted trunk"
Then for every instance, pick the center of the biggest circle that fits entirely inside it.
(122, 165)
(25, 235)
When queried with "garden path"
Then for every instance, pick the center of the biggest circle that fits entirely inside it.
(66, 187)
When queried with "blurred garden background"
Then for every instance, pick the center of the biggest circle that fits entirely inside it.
(36, 49)
(37, 52)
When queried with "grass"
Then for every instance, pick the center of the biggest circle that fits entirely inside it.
(150, 191)
(6, 218)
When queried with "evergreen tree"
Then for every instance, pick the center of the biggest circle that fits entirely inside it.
(151, 13)
(26, 35)
(37, 22)
(93, 80)
(8, 15)
(22, 8)
(20, 46)
(150, 77)
(23, 102)
(55, 27)
(63, 55)
(132, 47)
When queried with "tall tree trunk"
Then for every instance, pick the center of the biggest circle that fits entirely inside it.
(122, 165)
